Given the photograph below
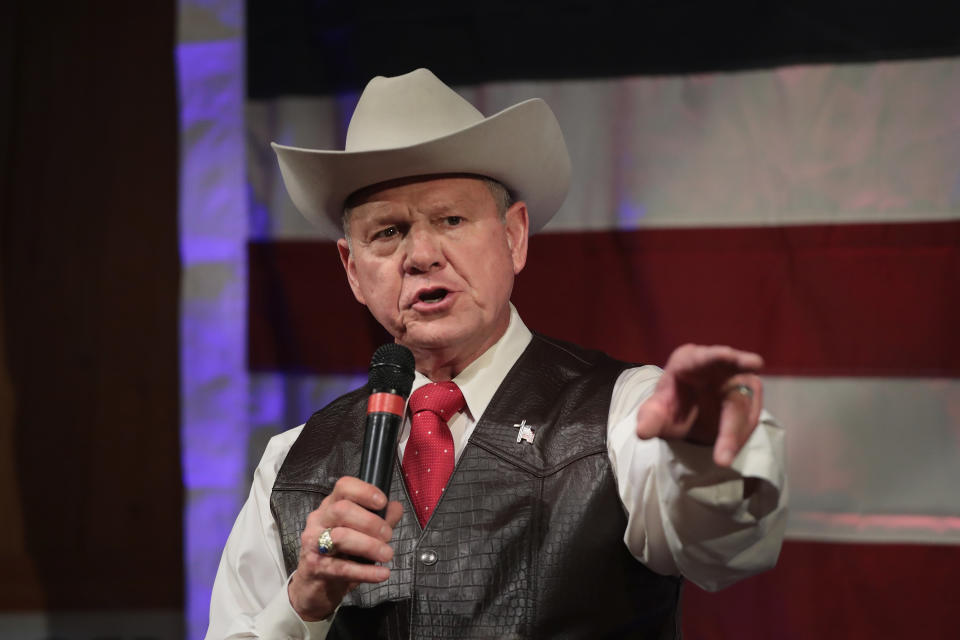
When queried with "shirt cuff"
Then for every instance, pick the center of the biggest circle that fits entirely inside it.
(280, 620)
(694, 472)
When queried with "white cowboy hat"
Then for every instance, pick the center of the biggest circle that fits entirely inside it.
(414, 125)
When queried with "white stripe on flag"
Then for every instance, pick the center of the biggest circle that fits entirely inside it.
(871, 459)
(876, 142)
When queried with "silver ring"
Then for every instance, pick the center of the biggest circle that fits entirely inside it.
(325, 543)
(744, 390)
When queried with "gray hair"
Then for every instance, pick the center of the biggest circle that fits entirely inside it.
(501, 197)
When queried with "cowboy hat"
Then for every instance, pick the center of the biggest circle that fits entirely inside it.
(414, 125)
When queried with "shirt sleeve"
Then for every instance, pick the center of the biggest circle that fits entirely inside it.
(686, 515)
(249, 597)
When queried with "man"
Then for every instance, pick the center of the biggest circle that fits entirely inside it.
(563, 492)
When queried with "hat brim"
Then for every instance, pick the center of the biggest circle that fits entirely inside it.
(521, 147)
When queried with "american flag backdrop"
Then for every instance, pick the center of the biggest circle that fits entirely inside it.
(806, 207)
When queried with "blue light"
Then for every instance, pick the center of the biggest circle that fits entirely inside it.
(213, 233)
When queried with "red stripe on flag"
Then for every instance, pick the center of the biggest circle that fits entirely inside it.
(879, 299)
(849, 591)
(302, 316)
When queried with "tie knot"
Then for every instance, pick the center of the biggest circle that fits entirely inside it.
(442, 398)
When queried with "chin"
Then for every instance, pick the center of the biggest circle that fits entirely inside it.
(433, 341)
(435, 336)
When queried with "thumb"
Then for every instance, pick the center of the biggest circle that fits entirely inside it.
(656, 418)
(652, 417)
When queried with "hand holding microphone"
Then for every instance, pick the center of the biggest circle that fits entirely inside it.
(351, 529)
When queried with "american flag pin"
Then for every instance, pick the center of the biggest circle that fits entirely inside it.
(524, 432)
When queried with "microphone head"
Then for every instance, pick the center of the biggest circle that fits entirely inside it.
(391, 370)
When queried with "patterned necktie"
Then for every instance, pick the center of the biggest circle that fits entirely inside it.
(428, 458)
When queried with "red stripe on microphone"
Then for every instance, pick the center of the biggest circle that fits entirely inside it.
(872, 299)
(385, 403)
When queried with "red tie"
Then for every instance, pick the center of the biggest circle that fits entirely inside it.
(428, 459)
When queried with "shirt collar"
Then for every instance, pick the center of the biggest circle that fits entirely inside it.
(482, 377)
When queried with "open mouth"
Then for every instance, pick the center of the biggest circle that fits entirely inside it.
(434, 295)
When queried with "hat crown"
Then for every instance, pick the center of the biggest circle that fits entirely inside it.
(406, 110)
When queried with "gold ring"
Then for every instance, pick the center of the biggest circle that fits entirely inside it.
(325, 543)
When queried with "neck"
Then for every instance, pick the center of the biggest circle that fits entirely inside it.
(440, 367)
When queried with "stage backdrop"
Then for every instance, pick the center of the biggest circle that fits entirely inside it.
(796, 196)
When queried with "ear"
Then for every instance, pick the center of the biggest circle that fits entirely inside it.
(351, 268)
(517, 223)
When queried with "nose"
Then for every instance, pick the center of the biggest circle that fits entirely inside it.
(424, 251)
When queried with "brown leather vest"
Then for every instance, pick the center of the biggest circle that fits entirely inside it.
(527, 540)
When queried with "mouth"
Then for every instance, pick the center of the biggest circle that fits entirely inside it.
(432, 295)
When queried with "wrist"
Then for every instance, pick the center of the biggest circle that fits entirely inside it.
(311, 608)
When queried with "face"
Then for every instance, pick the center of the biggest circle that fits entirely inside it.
(435, 264)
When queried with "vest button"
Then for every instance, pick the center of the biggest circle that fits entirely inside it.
(428, 557)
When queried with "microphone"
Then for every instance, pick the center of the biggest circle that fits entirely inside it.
(391, 377)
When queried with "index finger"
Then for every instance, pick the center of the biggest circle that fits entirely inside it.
(722, 354)
(362, 493)
(711, 364)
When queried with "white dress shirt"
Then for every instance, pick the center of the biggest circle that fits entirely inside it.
(685, 514)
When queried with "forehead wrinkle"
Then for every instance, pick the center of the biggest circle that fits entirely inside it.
(442, 203)
(378, 210)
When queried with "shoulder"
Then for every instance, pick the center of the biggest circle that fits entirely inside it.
(633, 387)
(334, 435)
(568, 354)
(279, 446)
(338, 421)
(276, 451)
(634, 382)
(643, 376)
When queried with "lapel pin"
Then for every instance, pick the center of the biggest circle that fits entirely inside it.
(524, 432)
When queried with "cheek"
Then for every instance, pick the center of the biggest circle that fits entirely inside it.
(379, 288)
(492, 273)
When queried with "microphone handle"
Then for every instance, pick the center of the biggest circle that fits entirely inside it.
(379, 451)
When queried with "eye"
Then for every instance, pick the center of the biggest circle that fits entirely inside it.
(388, 232)
(453, 220)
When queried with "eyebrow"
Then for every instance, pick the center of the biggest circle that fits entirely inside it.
(455, 204)
(376, 212)
(380, 212)
(434, 208)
